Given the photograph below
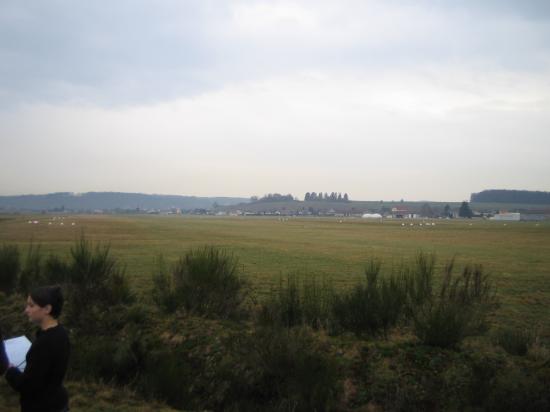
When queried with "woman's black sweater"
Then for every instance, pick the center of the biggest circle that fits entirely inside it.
(41, 384)
(3, 356)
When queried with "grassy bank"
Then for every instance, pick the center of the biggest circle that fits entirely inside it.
(202, 335)
(516, 253)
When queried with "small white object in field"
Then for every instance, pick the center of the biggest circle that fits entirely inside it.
(72, 224)
(61, 224)
(35, 222)
(412, 224)
(402, 224)
(49, 223)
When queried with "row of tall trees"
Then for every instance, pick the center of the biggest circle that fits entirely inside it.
(273, 197)
(333, 197)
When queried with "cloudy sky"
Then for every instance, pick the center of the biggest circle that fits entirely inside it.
(421, 100)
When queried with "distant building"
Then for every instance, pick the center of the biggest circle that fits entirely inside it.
(402, 213)
(535, 215)
(508, 216)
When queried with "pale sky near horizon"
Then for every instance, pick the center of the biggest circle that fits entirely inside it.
(420, 100)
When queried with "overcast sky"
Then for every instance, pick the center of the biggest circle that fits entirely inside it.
(421, 100)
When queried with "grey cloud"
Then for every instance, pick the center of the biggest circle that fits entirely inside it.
(136, 52)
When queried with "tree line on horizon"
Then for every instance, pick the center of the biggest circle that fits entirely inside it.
(309, 196)
(511, 196)
(333, 197)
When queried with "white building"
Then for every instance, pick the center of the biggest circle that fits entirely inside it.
(516, 217)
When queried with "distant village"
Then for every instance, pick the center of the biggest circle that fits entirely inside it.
(495, 205)
(393, 213)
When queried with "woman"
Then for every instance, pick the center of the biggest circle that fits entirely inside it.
(3, 357)
(41, 384)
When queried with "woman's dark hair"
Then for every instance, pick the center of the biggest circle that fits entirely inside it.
(49, 295)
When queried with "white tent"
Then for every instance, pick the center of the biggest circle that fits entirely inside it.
(372, 216)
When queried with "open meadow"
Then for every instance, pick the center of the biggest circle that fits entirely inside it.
(516, 254)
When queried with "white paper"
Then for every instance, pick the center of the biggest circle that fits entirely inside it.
(16, 349)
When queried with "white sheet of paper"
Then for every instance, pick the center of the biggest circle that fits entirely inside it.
(16, 349)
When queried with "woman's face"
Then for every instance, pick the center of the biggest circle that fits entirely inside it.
(35, 312)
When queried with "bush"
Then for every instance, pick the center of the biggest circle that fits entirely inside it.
(31, 275)
(514, 341)
(13, 320)
(519, 390)
(419, 280)
(374, 306)
(271, 369)
(459, 310)
(169, 376)
(204, 281)
(281, 370)
(55, 270)
(164, 295)
(95, 283)
(10, 265)
(118, 351)
(443, 324)
(92, 357)
(299, 301)
(190, 364)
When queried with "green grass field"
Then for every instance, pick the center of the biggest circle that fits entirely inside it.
(517, 254)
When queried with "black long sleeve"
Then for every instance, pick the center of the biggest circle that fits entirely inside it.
(40, 385)
(3, 356)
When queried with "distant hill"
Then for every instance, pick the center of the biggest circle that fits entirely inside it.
(511, 196)
(80, 202)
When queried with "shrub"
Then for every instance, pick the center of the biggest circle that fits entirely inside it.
(374, 306)
(31, 275)
(164, 294)
(419, 280)
(10, 265)
(190, 365)
(518, 390)
(483, 370)
(514, 341)
(95, 283)
(459, 310)
(13, 320)
(169, 376)
(299, 301)
(204, 281)
(317, 298)
(92, 357)
(443, 324)
(281, 370)
(271, 369)
(56, 270)
(119, 350)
